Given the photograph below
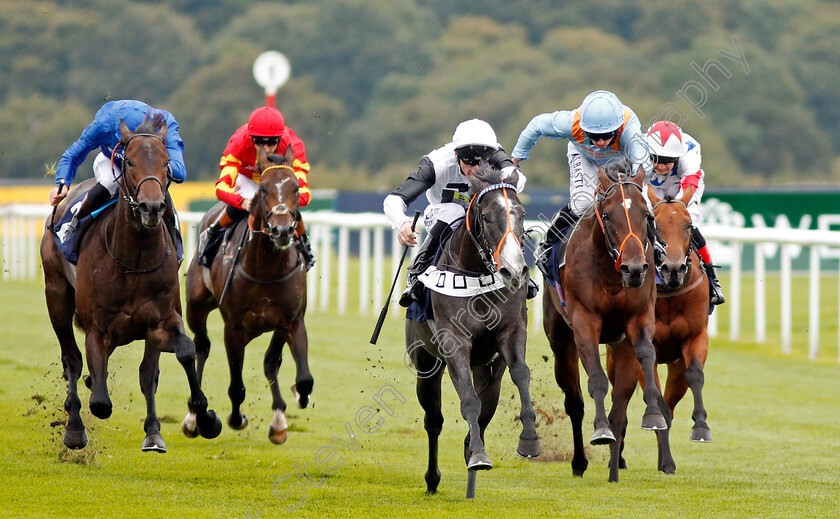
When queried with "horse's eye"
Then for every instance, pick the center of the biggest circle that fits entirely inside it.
(485, 219)
(129, 163)
(605, 217)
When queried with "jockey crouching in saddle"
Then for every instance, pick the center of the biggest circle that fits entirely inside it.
(676, 165)
(239, 179)
(601, 131)
(104, 133)
(444, 175)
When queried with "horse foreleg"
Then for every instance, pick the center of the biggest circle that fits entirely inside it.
(277, 430)
(487, 381)
(587, 332)
(200, 302)
(429, 373)
(206, 423)
(235, 341)
(513, 350)
(624, 373)
(299, 344)
(567, 376)
(640, 335)
(459, 371)
(97, 351)
(149, 373)
(695, 378)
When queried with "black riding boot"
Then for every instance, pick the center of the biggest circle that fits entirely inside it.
(306, 250)
(715, 290)
(656, 240)
(560, 224)
(424, 258)
(95, 197)
(206, 234)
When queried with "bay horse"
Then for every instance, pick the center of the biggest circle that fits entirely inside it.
(267, 292)
(681, 339)
(124, 288)
(477, 337)
(608, 296)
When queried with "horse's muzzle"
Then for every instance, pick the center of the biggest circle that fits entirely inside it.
(632, 276)
(673, 273)
(281, 237)
(151, 213)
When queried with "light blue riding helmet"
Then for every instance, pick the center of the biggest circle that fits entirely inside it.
(601, 112)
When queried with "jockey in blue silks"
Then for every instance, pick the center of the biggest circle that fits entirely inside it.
(104, 133)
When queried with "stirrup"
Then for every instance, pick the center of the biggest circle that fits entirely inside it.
(533, 289)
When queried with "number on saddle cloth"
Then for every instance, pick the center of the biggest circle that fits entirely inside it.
(70, 247)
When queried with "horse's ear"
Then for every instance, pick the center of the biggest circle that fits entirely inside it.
(639, 178)
(602, 177)
(163, 130)
(262, 158)
(125, 133)
(688, 192)
(290, 155)
(652, 195)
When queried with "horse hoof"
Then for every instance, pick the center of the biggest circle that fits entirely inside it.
(602, 436)
(302, 400)
(700, 434)
(189, 427)
(479, 461)
(529, 449)
(101, 410)
(277, 437)
(88, 381)
(214, 428)
(654, 422)
(75, 439)
(669, 468)
(243, 422)
(153, 443)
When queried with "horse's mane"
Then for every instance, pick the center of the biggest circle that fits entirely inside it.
(484, 174)
(152, 123)
(618, 168)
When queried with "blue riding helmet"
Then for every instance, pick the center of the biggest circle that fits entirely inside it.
(601, 112)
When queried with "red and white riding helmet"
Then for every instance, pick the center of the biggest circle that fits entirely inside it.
(266, 122)
(665, 139)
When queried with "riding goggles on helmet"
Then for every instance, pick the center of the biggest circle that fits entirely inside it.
(600, 136)
(266, 141)
(473, 155)
(661, 159)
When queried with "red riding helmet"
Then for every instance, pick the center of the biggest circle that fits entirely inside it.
(266, 122)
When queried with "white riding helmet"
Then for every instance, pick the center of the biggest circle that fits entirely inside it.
(475, 132)
(601, 112)
(665, 139)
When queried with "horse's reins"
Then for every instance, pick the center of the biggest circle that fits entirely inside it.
(491, 260)
(616, 254)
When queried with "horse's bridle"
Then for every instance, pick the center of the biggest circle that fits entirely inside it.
(279, 209)
(490, 259)
(670, 200)
(602, 195)
(129, 193)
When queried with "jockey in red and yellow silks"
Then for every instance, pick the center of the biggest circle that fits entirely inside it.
(240, 156)
(239, 179)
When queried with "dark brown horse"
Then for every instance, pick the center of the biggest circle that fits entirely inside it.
(267, 292)
(124, 288)
(608, 296)
(682, 316)
(477, 337)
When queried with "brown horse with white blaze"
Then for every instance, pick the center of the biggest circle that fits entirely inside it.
(609, 295)
(124, 288)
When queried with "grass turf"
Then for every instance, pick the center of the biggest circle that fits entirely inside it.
(775, 420)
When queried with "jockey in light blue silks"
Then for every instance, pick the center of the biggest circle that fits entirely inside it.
(601, 131)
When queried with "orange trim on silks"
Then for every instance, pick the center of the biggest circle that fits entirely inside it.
(616, 144)
(577, 132)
